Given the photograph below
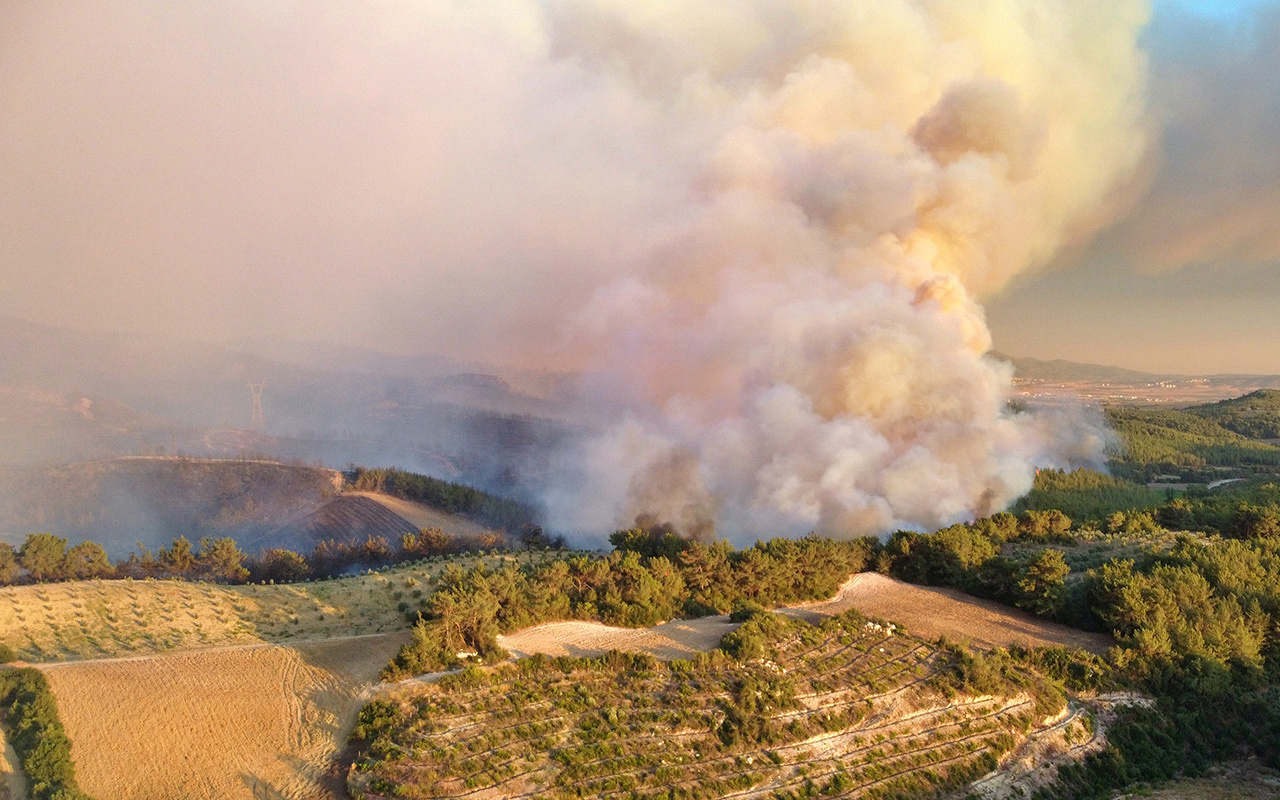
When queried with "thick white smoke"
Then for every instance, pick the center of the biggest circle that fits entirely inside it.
(763, 227)
(803, 348)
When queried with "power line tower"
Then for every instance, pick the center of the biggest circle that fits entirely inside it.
(255, 421)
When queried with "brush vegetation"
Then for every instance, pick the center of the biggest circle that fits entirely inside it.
(31, 723)
(633, 586)
(850, 706)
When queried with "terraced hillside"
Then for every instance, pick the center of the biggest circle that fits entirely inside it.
(847, 708)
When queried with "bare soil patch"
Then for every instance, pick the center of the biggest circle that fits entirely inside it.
(927, 611)
(12, 784)
(675, 639)
(241, 722)
(931, 611)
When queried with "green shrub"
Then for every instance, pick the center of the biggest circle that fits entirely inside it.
(44, 751)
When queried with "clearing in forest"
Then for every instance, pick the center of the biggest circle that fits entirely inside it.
(924, 610)
(675, 639)
(931, 611)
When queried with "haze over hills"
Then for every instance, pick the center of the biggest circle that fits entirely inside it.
(69, 396)
(1058, 380)
(152, 500)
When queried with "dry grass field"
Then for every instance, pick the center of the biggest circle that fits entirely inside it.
(105, 619)
(252, 722)
(424, 516)
(926, 611)
(930, 612)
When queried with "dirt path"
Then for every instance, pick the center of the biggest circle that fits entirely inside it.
(13, 785)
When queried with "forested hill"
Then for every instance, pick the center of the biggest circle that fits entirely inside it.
(1255, 415)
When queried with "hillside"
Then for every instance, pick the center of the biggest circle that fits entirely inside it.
(261, 504)
(120, 502)
(1255, 415)
(422, 516)
(1062, 371)
(264, 681)
(847, 707)
(1156, 441)
(1058, 382)
(356, 516)
(340, 519)
(71, 396)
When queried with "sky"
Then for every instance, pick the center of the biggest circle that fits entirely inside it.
(1187, 280)
(418, 178)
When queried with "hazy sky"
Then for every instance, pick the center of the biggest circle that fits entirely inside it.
(1189, 279)
(414, 177)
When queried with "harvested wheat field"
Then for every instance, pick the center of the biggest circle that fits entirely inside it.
(675, 639)
(930, 611)
(259, 721)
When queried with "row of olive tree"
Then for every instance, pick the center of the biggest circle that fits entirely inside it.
(45, 557)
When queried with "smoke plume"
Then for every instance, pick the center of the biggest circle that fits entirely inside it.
(804, 348)
(763, 228)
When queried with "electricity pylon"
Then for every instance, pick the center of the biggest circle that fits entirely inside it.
(255, 421)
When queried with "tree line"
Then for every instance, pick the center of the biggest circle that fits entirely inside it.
(1197, 625)
(45, 557)
(650, 577)
(487, 509)
(36, 733)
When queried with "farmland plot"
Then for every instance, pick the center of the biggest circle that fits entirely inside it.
(239, 722)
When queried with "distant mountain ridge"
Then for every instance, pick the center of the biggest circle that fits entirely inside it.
(1062, 371)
